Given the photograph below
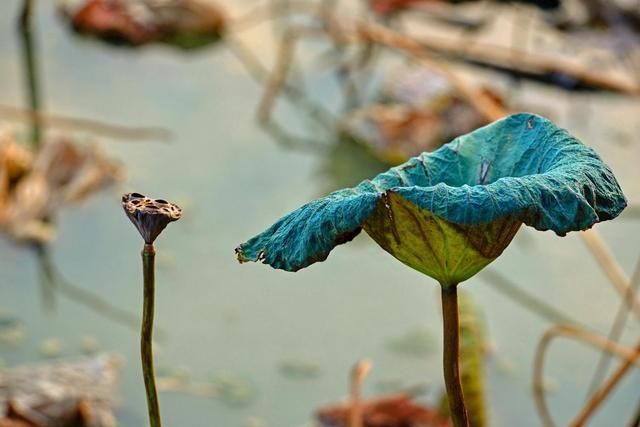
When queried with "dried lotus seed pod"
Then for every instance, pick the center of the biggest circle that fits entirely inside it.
(150, 216)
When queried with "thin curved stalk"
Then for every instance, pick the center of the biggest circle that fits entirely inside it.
(600, 395)
(278, 78)
(630, 356)
(146, 335)
(615, 332)
(260, 73)
(538, 378)
(451, 356)
(611, 267)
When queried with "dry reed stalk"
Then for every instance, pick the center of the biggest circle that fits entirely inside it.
(528, 62)
(486, 106)
(605, 390)
(612, 268)
(366, 32)
(358, 375)
(93, 126)
(629, 355)
(266, 11)
(277, 78)
(616, 330)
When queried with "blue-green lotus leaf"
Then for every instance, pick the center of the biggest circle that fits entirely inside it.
(450, 212)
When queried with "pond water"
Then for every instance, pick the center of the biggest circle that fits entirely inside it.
(233, 179)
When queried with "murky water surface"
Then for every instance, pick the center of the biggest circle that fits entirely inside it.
(233, 179)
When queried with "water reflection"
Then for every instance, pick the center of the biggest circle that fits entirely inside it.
(27, 30)
(53, 284)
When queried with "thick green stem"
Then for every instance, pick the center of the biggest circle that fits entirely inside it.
(451, 356)
(146, 336)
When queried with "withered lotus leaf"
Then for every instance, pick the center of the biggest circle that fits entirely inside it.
(451, 212)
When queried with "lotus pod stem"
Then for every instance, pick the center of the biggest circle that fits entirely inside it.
(150, 217)
(146, 334)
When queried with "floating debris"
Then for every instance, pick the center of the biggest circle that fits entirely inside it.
(233, 390)
(299, 369)
(255, 422)
(507, 367)
(11, 330)
(183, 373)
(13, 336)
(416, 343)
(182, 23)
(568, 72)
(420, 110)
(89, 345)
(617, 16)
(389, 411)
(51, 347)
(394, 132)
(229, 389)
(33, 186)
(389, 7)
(393, 410)
(180, 374)
(80, 393)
